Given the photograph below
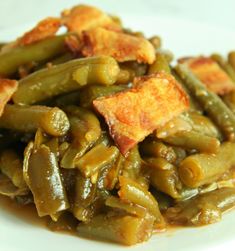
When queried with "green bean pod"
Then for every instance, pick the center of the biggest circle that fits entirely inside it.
(29, 118)
(224, 65)
(85, 131)
(90, 93)
(211, 103)
(133, 192)
(157, 149)
(98, 157)
(194, 140)
(164, 176)
(231, 59)
(41, 173)
(160, 64)
(65, 78)
(202, 168)
(203, 209)
(123, 229)
(36, 52)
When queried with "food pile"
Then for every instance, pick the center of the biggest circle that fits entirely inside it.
(106, 137)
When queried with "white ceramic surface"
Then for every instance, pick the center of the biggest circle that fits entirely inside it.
(184, 39)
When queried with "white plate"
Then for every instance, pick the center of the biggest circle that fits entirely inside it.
(184, 39)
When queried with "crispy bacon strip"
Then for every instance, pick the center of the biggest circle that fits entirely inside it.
(7, 88)
(85, 17)
(137, 112)
(44, 29)
(122, 47)
(209, 72)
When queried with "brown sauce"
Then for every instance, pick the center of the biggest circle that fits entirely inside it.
(27, 213)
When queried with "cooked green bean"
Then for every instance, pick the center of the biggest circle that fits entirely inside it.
(130, 208)
(210, 102)
(133, 192)
(164, 176)
(202, 124)
(202, 168)
(194, 140)
(98, 157)
(224, 65)
(124, 229)
(39, 52)
(231, 59)
(156, 148)
(64, 78)
(229, 100)
(160, 64)
(29, 118)
(90, 93)
(84, 196)
(12, 166)
(113, 173)
(156, 42)
(204, 209)
(85, 131)
(41, 173)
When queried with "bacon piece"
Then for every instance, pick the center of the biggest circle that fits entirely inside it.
(122, 47)
(7, 88)
(133, 114)
(44, 29)
(85, 17)
(210, 73)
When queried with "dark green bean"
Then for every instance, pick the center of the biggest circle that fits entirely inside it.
(65, 78)
(210, 102)
(29, 118)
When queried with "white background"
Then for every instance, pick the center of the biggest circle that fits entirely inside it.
(217, 12)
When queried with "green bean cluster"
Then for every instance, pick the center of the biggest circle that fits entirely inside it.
(56, 151)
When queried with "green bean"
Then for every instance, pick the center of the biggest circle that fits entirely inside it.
(85, 131)
(65, 78)
(124, 229)
(133, 192)
(129, 208)
(202, 124)
(156, 42)
(41, 173)
(194, 140)
(224, 65)
(29, 118)
(98, 157)
(132, 168)
(164, 176)
(229, 100)
(84, 196)
(125, 76)
(40, 51)
(156, 148)
(204, 209)
(167, 54)
(231, 59)
(90, 93)
(210, 102)
(12, 166)
(7, 188)
(160, 64)
(113, 173)
(202, 168)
